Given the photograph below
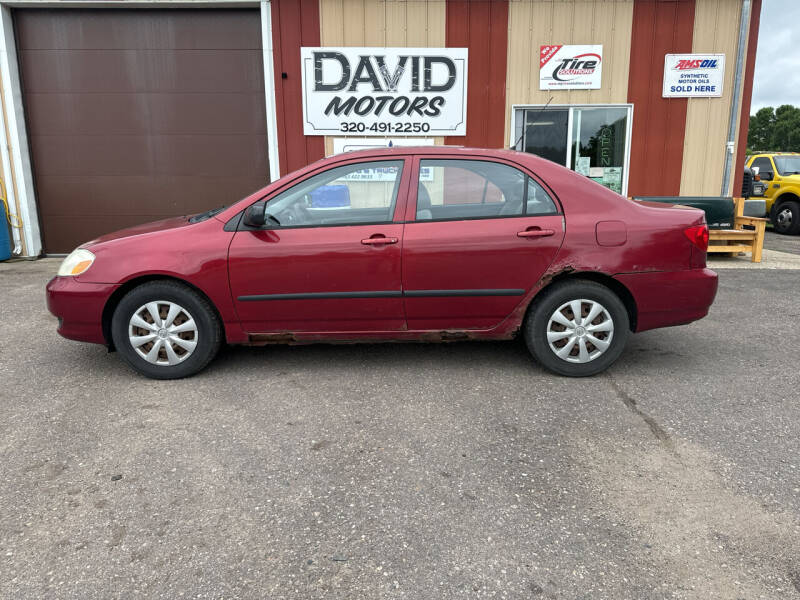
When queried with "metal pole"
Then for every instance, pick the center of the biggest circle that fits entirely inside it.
(730, 148)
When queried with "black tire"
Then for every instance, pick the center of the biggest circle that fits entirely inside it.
(207, 332)
(545, 306)
(785, 217)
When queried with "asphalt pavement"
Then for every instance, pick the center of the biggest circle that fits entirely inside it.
(406, 470)
(782, 243)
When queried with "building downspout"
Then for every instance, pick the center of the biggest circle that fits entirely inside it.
(730, 150)
(269, 90)
(16, 232)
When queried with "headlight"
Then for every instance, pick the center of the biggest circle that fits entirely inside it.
(76, 263)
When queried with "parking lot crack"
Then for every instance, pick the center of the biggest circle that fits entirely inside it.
(630, 402)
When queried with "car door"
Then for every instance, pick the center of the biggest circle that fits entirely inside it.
(329, 257)
(479, 234)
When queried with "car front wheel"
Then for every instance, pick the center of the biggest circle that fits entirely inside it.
(166, 330)
(577, 328)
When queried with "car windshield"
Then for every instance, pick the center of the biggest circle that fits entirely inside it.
(787, 165)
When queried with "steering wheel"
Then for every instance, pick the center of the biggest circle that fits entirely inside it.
(300, 214)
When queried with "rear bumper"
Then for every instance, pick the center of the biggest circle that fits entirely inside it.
(670, 298)
(79, 308)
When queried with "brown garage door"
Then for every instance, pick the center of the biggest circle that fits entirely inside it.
(137, 115)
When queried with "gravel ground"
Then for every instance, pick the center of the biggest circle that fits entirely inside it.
(405, 470)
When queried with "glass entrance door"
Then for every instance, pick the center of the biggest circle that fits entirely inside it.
(598, 144)
(591, 140)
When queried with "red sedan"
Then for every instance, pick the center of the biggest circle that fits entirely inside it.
(424, 244)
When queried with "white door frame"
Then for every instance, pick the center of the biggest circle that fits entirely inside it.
(516, 137)
(15, 161)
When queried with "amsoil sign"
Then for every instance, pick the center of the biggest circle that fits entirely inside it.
(384, 91)
(693, 75)
(570, 67)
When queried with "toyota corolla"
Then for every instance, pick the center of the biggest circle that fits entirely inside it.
(415, 244)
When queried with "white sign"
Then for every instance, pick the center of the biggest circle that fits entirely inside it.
(570, 67)
(384, 91)
(693, 75)
(348, 144)
(582, 165)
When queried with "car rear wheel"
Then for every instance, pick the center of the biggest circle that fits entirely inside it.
(577, 328)
(166, 330)
(786, 218)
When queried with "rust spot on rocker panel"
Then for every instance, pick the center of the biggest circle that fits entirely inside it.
(297, 338)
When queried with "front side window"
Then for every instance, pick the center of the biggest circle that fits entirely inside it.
(354, 194)
(764, 166)
(788, 165)
(466, 189)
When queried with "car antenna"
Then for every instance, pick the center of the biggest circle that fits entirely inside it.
(541, 110)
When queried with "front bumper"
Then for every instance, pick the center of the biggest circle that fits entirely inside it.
(79, 307)
(664, 299)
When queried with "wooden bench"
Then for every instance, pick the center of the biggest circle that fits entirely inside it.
(739, 239)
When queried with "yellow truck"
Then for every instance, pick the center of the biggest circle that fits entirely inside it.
(780, 172)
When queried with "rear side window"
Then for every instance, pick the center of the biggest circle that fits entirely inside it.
(466, 189)
(539, 202)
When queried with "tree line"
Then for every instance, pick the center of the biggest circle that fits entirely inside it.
(774, 130)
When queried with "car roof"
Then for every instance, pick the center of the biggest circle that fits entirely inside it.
(538, 164)
(432, 150)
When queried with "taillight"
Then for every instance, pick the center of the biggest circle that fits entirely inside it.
(698, 235)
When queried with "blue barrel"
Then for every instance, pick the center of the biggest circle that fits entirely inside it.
(331, 196)
(5, 240)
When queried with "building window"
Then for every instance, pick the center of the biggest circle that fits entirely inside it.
(591, 140)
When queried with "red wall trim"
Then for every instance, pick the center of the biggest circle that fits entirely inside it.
(295, 23)
(747, 95)
(481, 26)
(659, 124)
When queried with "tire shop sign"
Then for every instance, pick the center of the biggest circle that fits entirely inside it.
(570, 67)
(693, 75)
(384, 91)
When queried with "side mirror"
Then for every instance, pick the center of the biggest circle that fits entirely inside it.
(766, 175)
(254, 215)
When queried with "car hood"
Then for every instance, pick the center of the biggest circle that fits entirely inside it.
(163, 225)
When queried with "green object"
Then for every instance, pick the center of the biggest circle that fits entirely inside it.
(719, 210)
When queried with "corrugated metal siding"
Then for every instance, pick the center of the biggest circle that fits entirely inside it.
(412, 24)
(482, 27)
(391, 23)
(538, 22)
(659, 27)
(295, 23)
(716, 28)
